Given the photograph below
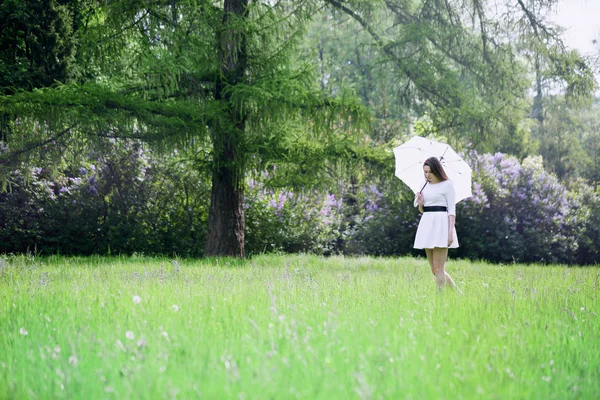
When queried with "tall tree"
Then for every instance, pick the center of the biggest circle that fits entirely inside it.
(466, 68)
(563, 82)
(217, 77)
(38, 41)
(227, 224)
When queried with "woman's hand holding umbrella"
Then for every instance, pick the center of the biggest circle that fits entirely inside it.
(419, 200)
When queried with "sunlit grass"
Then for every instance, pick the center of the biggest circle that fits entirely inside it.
(295, 327)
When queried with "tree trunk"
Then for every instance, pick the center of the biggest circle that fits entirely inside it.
(226, 220)
(538, 107)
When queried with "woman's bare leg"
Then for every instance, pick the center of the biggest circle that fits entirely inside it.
(439, 256)
(450, 282)
(429, 253)
(439, 261)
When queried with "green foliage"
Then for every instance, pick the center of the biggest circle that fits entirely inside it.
(119, 198)
(590, 119)
(153, 73)
(38, 42)
(284, 221)
(409, 59)
(584, 221)
(569, 140)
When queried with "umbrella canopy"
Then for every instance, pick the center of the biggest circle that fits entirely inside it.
(409, 165)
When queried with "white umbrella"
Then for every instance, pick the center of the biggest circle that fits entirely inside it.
(409, 165)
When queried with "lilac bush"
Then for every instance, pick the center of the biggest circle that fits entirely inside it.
(518, 212)
(39, 211)
(382, 222)
(286, 221)
(584, 221)
(122, 199)
(353, 220)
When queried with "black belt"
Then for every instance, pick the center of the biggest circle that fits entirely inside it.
(435, 209)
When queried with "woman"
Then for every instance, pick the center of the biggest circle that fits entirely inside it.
(436, 232)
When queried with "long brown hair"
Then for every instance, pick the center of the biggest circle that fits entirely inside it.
(436, 168)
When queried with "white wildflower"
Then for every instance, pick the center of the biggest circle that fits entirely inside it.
(23, 332)
(136, 299)
(129, 335)
(56, 352)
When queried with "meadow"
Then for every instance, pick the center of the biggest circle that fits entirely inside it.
(284, 327)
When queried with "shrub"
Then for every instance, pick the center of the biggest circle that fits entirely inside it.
(125, 199)
(584, 222)
(519, 212)
(122, 200)
(282, 220)
(383, 223)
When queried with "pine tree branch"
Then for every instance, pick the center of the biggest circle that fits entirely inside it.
(387, 49)
(31, 146)
(537, 25)
(128, 27)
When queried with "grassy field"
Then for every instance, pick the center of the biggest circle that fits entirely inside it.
(283, 327)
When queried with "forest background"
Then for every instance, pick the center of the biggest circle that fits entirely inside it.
(237, 127)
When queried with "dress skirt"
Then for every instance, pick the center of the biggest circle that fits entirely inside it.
(433, 231)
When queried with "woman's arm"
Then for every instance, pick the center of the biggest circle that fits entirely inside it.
(419, 201)
(451, 220)
(451, 203)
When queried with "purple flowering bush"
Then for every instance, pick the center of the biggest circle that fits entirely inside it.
(584, 221)
(120, 199)
(45, 212)
(381, 222)
(286, 221)
(518, 212)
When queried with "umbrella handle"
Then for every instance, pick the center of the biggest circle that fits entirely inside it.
(423, 187)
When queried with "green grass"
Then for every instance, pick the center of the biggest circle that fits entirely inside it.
(282, 327)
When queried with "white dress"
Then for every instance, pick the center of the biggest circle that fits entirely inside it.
(433, 227)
